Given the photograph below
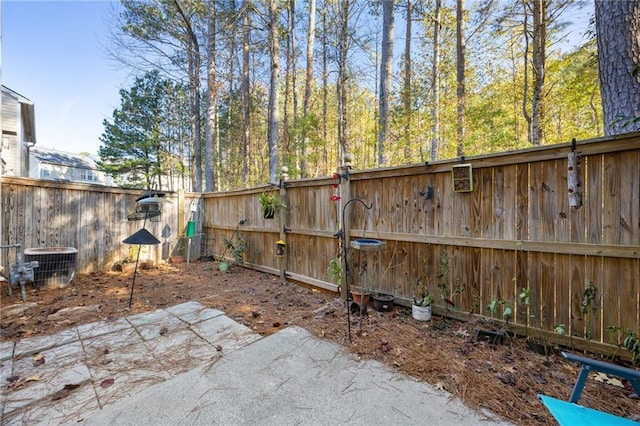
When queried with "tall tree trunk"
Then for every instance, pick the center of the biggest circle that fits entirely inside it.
(194, 98)
(246, 112)
(539, 59)
(287, 150)
(343, 51)
(294, 66)
(435, 76)
(212, 101)
(618, 35)
(274, 116)
(306, 103)
(325, 87)
(386, 69)
(525, 84)
(460, 75)
(406, 89)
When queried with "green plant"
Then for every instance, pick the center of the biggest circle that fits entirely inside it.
(422, 296)
(613, 334)
(507, 308)
(180, 245)
(335, 270)
(424, 301)
(236, 246)
(237, 249)
(632, 344)
(270, 203)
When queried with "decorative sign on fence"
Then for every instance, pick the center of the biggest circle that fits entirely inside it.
(462, 178)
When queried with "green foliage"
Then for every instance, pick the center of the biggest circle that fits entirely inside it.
(424, 301)
(137, 142)
(494, 306)
(236, 248)
(494, 81)
(270, 203)
(632, 344)
(335, 270)
(237, 245)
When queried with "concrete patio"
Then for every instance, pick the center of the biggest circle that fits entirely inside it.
(189, 364)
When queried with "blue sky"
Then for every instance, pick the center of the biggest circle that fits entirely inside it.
(53, 54)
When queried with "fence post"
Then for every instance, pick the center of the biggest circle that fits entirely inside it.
(282, 261)
(345, 220)
(180, 222)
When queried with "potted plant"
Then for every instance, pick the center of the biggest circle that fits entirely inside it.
(235, 246)
(178, 256)
(125, 265)
(422, 300)
(360, 295)
(270, 202)
(421, 308)
(382, 302)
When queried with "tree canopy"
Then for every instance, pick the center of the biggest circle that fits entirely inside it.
(502, 81)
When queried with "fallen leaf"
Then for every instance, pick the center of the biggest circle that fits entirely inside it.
(603, 378)
(38, 360)
(107, 382)
(64, 392)
(440, 386)
(17, 382)
(462, 332)
(163, 330)
(218, 348)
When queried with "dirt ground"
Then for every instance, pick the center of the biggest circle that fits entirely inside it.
(445, 353)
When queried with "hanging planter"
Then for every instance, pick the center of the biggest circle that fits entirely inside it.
(270, 202)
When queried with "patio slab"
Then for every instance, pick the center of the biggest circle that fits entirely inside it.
(189, 364)
(58, 379)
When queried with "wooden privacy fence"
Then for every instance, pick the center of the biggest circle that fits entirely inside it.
(497, 225)
(41, 213)
(512, 231)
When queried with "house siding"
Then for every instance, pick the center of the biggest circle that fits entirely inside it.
(18, 129)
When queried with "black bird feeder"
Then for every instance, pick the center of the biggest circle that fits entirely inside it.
(141, 237)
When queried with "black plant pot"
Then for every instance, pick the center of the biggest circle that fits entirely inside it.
(269, 213)
(383, 302)
(539, 347)
(492, 337)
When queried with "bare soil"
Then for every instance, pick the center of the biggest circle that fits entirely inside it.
(443, 352)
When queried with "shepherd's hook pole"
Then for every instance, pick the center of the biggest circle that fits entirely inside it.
(343, 236)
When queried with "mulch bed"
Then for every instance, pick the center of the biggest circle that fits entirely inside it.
(504, 378)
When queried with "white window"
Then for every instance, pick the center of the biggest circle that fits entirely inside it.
(45, 173)
(88, 175)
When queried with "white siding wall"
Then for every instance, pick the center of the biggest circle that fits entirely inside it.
(10, 135)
